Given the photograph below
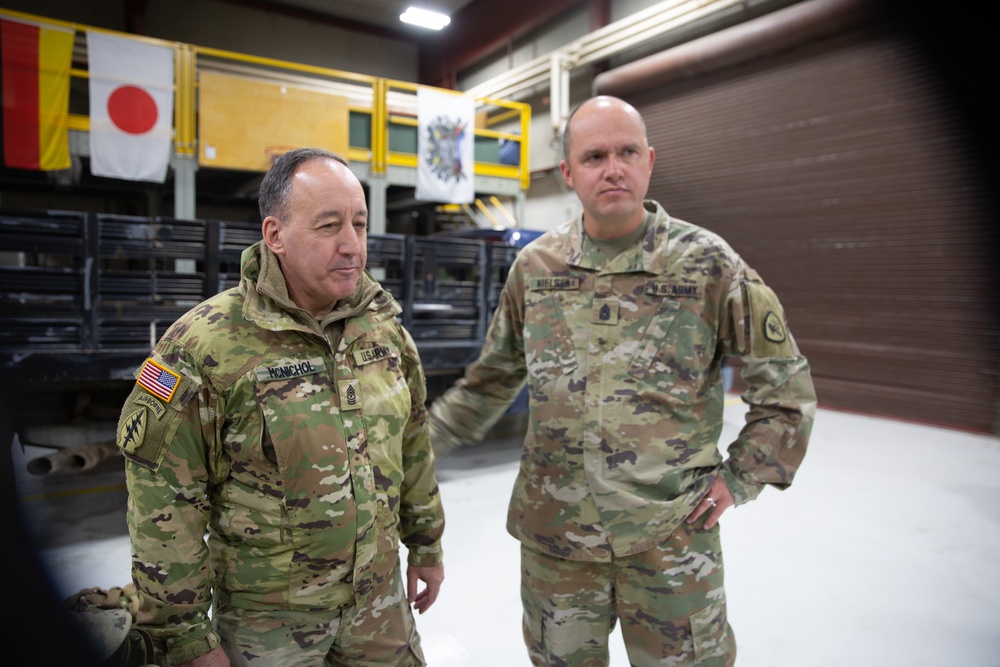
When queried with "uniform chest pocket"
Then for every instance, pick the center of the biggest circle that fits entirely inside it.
(549, 348)
(383, 395)
(665, 353)
(297, 400)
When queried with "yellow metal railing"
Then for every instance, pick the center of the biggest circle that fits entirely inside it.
(387, 106)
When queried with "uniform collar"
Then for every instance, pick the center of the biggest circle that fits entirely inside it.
(267, 302)
(649, 255)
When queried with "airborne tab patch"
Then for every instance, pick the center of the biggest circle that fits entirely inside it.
(145, 399)
(554, 282)
(158, 380)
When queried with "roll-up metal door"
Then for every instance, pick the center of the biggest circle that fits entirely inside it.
(841, 170)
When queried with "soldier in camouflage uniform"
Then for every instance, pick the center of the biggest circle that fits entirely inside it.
(286, 418)
(618, 322)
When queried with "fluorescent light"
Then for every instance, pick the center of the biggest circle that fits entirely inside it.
(424, 18)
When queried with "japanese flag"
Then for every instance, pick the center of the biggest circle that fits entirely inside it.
(131, 107)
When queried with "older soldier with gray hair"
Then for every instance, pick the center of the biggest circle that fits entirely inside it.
(618, 321)
(285, 418)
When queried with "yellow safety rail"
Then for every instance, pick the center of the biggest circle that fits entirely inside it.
(386, 102)
(503, 110)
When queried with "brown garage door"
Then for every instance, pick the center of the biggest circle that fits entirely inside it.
(841, 171)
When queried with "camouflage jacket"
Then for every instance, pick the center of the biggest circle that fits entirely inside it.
(301, 447)
(622, 360)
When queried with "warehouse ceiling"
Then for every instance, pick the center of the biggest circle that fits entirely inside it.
(380, 14)
(477, 29)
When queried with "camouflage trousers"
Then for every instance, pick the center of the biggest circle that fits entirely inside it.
(669, 602)
(379, 633)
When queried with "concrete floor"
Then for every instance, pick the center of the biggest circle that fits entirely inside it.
(884, 553)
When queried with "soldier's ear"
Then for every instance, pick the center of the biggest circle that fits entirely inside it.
(567, 176)
(271, 230)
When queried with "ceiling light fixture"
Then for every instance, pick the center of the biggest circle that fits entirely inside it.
(424, 18)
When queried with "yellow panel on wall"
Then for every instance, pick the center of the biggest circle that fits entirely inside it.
(246, 124)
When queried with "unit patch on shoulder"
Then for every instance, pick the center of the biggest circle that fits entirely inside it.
(158, 380)
(768, 335)
(774, 330)
(132, 430)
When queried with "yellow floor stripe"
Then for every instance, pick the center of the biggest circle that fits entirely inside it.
(74, 492)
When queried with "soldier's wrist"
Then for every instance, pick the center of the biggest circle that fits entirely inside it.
(424, 559)
(741, 490)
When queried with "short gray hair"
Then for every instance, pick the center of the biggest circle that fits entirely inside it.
(277, 183)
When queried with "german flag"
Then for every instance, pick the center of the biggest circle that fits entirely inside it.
(36, 60)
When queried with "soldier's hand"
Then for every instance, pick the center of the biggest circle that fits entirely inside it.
(716, 501)
(214, 658)
(432, 577)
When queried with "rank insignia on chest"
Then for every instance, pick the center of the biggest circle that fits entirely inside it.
(349, 398)
(605, 311)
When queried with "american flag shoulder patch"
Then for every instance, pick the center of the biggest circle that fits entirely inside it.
(158, 380)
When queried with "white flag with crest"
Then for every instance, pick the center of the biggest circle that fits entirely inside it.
(446, 126)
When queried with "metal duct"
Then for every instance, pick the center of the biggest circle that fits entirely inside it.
(768, 34)
(76, 459)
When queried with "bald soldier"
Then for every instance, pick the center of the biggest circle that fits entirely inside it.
(285, 418)
(618, 321)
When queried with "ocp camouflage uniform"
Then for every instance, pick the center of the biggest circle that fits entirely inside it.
(302, 448)
(622, 360)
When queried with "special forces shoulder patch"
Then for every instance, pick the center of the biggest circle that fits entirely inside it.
(132, 430)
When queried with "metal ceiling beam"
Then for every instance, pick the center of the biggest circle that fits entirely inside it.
(680, 18)
(786, 28)
(481, 28)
